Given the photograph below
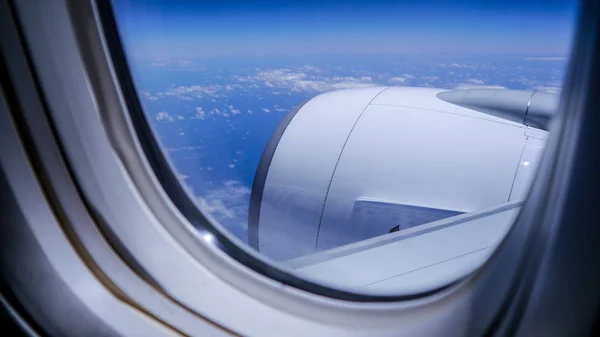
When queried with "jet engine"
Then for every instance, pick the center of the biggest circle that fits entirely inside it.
(353, 164)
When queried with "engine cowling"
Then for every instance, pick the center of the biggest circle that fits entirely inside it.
(353, 164)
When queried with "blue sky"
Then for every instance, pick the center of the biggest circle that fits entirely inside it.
(169, 29)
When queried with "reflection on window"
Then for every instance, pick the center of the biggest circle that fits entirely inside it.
(395, 138)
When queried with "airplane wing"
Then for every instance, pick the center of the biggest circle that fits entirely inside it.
(415, 259)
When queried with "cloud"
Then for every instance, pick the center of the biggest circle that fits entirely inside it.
(147, 95)
(185, 148)
(266, 110)
(397, 80)
(233, 110)
(551, 86)
(305, 79)
(228, 204)
(193, 92)
(475, 81)
(348, 84)
(464, 86)
(310, 68)
(175, 64)
(200, 114)
(299, 81)
(185, 63)
(163, 116)
(550, 90)
(546, 58)
(457, 65)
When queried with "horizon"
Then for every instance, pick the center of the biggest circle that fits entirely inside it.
(184, 29)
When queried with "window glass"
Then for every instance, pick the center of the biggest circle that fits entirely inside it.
(381, 147)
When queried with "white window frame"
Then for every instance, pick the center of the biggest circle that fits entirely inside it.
(152, 254)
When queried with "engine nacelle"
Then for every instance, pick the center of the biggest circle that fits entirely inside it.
(352, 164)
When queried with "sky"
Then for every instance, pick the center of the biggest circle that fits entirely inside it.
(188, 29)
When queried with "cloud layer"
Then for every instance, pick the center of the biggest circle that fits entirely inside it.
(228, 204)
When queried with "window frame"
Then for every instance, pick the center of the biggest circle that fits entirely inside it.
(182, 198)
(270, 304)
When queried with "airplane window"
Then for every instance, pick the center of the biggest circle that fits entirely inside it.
(380, 147)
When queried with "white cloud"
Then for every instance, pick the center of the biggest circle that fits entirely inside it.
(397, 80)
(552, 86)
(233, 110)
(475, 81)
(185, 63)
(198, 91)
(200, 114)
(163, 116)
(185, 148)
(171, 63)
(349, 85)
(148, 95)
(249, 111)
(231, 166)
(551, 90)
(306, 78)
(546, 58)
(285, 78)
(266, 110)
(311, 68)
(179, 117)
(472, 86)
(228, 204)
(456, 65)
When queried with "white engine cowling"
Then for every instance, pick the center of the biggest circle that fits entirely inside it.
(352, 164)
